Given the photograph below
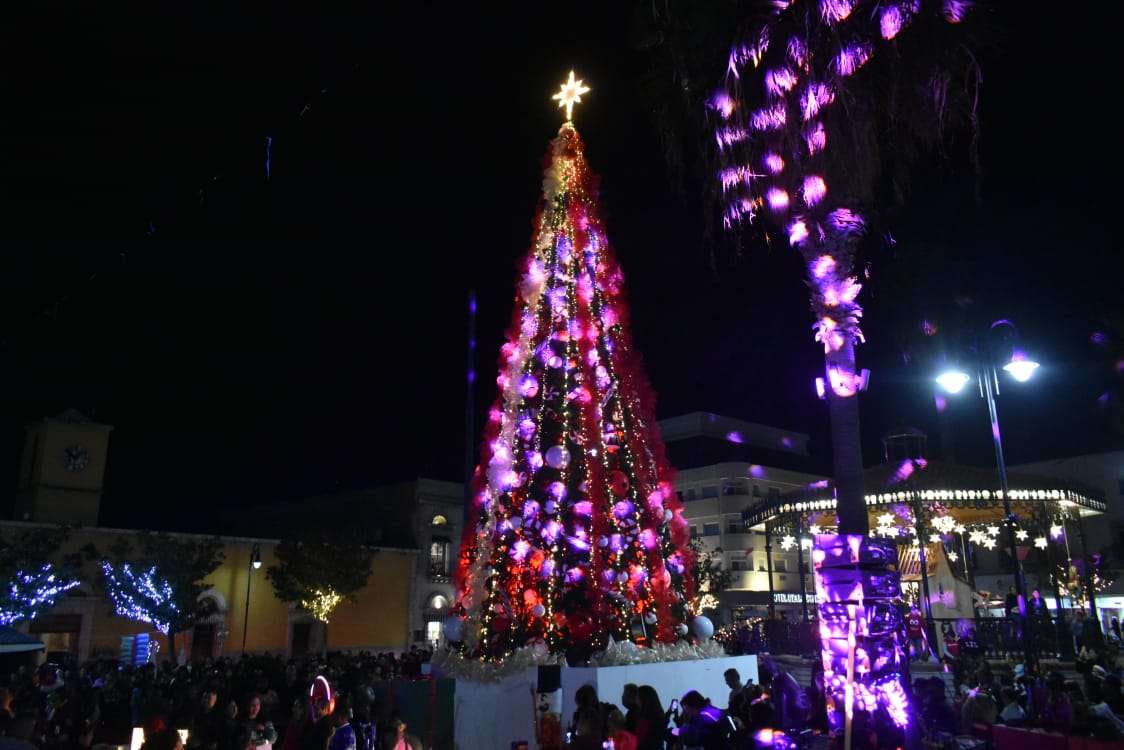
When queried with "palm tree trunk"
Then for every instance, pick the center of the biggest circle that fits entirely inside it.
(846, 446)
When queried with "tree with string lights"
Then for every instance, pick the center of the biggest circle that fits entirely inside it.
(32, 581)
(318, 575)
(160, 580)
(576, 537)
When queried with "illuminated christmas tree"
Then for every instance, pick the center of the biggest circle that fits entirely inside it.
(576, 535)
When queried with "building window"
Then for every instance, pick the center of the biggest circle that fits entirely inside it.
(711, 529)
(710, 491)
(437, 603)
(780, 566)
(433, 631)
(756, 491)
(774, 492)
(679, 494)
(439, 558)
(760, 562)
(439, 520)
(694, 532)
(737, 565)
(734, 527)
(690, 495)
(1121, 487)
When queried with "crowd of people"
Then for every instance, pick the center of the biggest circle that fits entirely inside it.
(265, 703)
(775, 706)
(254, 703)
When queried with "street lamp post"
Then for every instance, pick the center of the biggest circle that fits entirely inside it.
(1021, 369)
(255, 564)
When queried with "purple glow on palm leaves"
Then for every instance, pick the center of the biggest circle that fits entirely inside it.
(815, 137)
(797, 51)
(777, 199)
(955, 10)
(851, 58)
(814, 189)
(815, 97)
(797, 232)
(834, 11)
(845, 221)
(769, 118)
(823, 265)
(779, 81)
(722, 103)
(727, 137)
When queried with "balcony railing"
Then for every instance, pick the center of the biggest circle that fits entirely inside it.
(438, 571)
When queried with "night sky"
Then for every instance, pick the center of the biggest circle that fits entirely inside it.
(255, 340)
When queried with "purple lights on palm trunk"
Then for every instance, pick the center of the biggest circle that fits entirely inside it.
(861, 629)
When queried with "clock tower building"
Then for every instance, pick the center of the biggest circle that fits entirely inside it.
(62, 470)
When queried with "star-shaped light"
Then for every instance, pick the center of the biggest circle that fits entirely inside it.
(934, 538)
(885, 519)
(788, 542)
(953, 557)
(976, 536)
(1021, 535)
(570, 94)
(993, 530)
(1056, 531)
(989, 543)
(961, 528)
(815, 530)
(1040, 542)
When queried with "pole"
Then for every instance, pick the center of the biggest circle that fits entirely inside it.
(246, 618)
(800, 565)
(769, 570)
(470, 407)
(1090, 591)
(990, 386)
(968, 576)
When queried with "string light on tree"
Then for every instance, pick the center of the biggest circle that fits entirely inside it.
(28, 594)
(142, 596)
(321, 604)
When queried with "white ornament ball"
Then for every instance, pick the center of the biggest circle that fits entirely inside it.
(603, 541)
(681, 629)
(622, 577)
(538, 610)
(557, 457)
(702, 628)
(454, 628)
(516, 521)
(667, 516)
(650, 618)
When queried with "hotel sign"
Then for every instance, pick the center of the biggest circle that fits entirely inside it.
(784, 597)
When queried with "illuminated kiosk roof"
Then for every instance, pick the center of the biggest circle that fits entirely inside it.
(965, 490)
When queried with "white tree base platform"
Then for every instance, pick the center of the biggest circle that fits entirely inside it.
(492, 715)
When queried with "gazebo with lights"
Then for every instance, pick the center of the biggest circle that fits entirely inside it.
(935, 511)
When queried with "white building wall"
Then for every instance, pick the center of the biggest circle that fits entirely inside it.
(1102, 471)
(713, 500)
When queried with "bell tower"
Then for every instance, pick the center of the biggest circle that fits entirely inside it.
(62, 470)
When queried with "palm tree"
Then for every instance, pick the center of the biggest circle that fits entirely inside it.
(824, 107)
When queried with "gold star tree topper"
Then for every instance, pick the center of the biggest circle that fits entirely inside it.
(570, 94)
